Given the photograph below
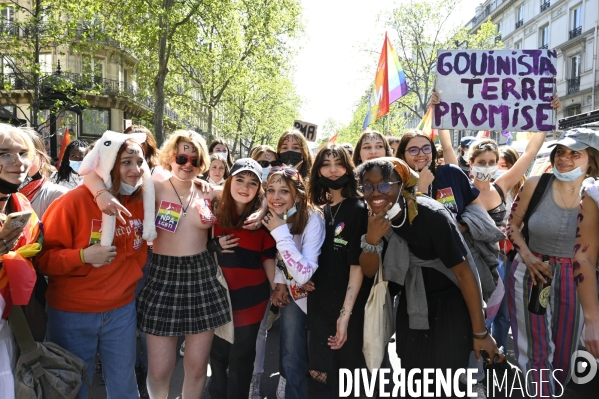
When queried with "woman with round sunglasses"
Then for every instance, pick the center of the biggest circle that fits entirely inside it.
(446, 320)
(336, 306)
(298, 229)
(447, 183)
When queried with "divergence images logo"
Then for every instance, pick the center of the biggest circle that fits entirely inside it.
(584, 367)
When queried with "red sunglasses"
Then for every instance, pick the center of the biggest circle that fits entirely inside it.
(181, 159)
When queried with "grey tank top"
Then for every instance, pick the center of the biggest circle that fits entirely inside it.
(552, 229)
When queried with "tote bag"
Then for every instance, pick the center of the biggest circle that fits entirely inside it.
(378, 321)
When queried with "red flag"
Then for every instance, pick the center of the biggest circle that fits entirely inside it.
(66, 140)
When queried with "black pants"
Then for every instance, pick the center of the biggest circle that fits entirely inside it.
(238, 358)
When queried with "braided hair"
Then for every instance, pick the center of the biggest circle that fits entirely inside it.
(64, 171)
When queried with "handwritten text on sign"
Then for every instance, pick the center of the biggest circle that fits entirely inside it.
(509, 90)
(308, 129)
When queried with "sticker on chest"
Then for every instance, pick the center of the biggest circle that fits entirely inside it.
(204, 207)
(446, 197)
(168, 216)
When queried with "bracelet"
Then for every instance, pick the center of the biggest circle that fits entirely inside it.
(369, 248)
(81, 256)
(344, 311)
(100, 192)
(482, 335)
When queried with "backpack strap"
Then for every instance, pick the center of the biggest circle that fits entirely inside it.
(535, 200)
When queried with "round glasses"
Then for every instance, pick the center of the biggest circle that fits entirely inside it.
(426, 149)
(181, 159)
(383, 188)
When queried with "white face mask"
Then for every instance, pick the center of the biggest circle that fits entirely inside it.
(127, 189)
(569, 176)
(265, 173)
(396, 208)
(484, 173)
(223, 154)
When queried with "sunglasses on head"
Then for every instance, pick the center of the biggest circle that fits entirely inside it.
(288, 171)
(383, 188)
(181, 159)
(414, 151)
(266, 164)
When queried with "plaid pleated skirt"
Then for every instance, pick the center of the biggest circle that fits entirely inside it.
(182, 296)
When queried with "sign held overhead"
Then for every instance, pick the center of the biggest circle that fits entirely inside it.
(507, 90)
(308, 129)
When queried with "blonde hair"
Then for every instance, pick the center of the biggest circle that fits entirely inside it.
(170, 148)
(480, 146)
(40, 149)
(17, 135)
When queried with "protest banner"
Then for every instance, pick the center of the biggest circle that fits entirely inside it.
(505, 90)
(307, 129)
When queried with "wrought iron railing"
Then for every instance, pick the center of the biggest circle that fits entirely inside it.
(544, 46)
(486, 12)
(573, 85)
(519, 23)
(545, 5)
(575, 32)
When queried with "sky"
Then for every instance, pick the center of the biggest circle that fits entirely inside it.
(339, 51)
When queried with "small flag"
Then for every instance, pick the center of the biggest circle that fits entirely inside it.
(66, 140)
(483, 134)
(389, 84)
(426, 126)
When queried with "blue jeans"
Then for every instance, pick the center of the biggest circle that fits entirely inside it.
(501, 323)
(293, 355)
(111, 333)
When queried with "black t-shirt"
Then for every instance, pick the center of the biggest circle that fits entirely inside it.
(340, 250)
(453, 189)
(433, 234)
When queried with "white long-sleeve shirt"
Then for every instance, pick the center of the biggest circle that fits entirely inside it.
(298, 256)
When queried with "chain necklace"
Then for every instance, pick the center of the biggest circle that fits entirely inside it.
(180, 197)
(405, 214)
(564, 201)
(332, 222)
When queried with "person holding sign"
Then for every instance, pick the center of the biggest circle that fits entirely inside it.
(546, 336)
(91, 288)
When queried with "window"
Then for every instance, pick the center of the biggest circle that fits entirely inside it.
(46, 63)
(7, 64)
(518, 45)
(573, 110)
(575, 67)
(544, 37)
(519, 16)
(576, 22)
(7, 19)
(95, 122)
(92, 69)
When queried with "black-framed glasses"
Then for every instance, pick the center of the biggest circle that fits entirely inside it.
(265, 164)
(181, 159)
(383, 188)
(414, 151)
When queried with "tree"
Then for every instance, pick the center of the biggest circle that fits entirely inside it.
(28, 31)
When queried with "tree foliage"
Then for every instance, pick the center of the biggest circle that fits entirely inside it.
(421, 28)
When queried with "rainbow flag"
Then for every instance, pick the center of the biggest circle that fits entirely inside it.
(426, 126)
(389, 84)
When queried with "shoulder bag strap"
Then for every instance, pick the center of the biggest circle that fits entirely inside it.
(23, 335)
(534, 202)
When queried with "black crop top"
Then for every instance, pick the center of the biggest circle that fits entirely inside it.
(498, 213)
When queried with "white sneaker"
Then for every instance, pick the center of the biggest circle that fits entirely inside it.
(272, 317)
(281, 387)
(255, 387)
(182, 350)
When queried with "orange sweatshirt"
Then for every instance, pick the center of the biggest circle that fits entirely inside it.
(74, 222)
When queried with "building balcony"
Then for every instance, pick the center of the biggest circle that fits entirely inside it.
(544, 46)
(575, 32)
(573, 85)
(489, 9)
(519, 23)
(545, 5)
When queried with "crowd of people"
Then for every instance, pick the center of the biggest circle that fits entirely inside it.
(148, 244)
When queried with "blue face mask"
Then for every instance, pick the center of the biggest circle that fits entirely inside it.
(499, 173)
(265, 173)
(569, 176)
(75, 165)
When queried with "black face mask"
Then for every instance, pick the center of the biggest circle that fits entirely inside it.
(29, 179)
(8, 187)
(291, 158)
(333, 184)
